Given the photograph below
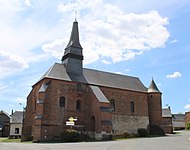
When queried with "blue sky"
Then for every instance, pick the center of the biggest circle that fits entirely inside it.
(141, 38)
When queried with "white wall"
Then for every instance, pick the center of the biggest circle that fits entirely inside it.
(12, 128)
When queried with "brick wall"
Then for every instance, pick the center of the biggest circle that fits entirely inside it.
(167, 125)
(45, 119)
(187, 118)
(155, 108)
(122, 118)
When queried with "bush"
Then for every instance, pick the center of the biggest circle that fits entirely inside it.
(142, 132)
(72, 136)
(188, 126)
(126, 135)
(155, 130)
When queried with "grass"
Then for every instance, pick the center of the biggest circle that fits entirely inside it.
(7, 140)
(10, 140)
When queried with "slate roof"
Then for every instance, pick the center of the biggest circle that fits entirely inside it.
(166, 112)
(95, 77)
(17, 117)
(4, 117)
(178, 117)
(43, 87)
(74, 38)
(99, 95)
(153, 88)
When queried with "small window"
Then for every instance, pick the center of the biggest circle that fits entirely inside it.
(78, 105)
(38, 116)
(16, 130)
(132, 107)
(79, 88)
(112, 102)
(62, 102)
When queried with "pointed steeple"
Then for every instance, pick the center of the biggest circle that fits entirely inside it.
(153, 88)
(74, 38)
(73, 57)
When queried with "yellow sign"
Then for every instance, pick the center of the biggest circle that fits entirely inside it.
(72, 119)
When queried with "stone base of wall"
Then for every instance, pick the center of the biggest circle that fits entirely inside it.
(168, 129)
(128, 124)
(99, 136)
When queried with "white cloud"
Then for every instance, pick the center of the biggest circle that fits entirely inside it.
(187, 106)
(106, 62)
(107, 31)
(174, 41)
(55, 48)
(174, 75)
(10, 63)
(27, 2)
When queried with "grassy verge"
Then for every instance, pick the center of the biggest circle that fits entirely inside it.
(7, 140)
(10, 140)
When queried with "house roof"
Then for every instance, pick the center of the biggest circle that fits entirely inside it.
(179, 117)
(17, 117)
(166, 112)
(4, 116)
(95, 77)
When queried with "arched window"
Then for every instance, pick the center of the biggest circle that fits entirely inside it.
(62, 102)
(132, 107)
(78, 105)
(112, 102)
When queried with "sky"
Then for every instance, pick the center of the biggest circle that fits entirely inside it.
(142, 38)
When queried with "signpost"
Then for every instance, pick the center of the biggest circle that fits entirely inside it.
(71, 121)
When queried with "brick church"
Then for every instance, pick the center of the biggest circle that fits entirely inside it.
(102, 103)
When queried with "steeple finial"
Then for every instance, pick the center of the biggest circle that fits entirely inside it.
(75, 16)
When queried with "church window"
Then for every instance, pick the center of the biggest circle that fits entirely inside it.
(112, 102)
(132, 107)
(79, 87)
(62, 101)
(78, 105)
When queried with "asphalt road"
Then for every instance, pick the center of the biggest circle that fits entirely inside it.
(170, 142)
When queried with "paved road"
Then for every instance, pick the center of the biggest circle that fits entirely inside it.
(170, 142)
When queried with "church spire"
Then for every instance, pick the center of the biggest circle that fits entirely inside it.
(74, 38)
(73, 56)
(153, 88)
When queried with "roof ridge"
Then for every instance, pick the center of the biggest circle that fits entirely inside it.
(111, 73)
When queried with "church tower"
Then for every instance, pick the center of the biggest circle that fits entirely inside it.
(73, 56)
(154, 104)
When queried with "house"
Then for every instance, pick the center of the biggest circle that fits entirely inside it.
(4, 124)
(16, 122)
(101, 103)
(187, 120)
(167, 120)
(178, 121)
